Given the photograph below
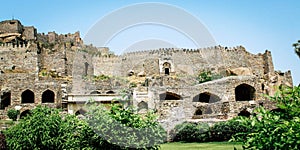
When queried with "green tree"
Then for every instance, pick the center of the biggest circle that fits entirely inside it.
(278, 129)
(297, 48)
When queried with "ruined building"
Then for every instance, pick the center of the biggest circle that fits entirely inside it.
(60, 71)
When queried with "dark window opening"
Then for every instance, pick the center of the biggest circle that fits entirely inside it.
(131, 73)
(95, 92)
(27, 97)
(198, 112)
(48, 96)
(262, 86)
(206, 98)
(5, 100)
(167, 71)
(244, 113)
(244, 92)
(24, 114)
(169, 96)
(110, 92)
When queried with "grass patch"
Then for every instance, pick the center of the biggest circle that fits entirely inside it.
(197, 146)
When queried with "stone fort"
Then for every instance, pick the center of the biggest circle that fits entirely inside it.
(59, 70)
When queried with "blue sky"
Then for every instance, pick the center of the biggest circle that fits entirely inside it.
(257, 25)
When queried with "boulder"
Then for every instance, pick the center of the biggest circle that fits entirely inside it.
(241, 71)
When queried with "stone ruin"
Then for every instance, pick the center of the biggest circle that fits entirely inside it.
(60, 71)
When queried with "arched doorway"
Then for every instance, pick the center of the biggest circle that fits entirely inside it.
(206, 97)
(169, 96)
(142, 106)
(244, 92)
(25, 113)
(5, 100)
(167, 68)
(27, 97)
(48, 96)
(244, 113)
(198, 112)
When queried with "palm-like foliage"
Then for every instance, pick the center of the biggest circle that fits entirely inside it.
(297, 48)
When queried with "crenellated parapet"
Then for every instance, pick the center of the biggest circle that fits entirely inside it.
(186, 50)
(12, 46)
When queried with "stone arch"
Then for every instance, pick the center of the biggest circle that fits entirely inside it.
(142, 106)
(5, 100)
(95, 92)
(244, 113)
(80, 111)
(198, 112)
(169, 96)
(166, 68)
(110, 92)
(25, 113)
(48, 96)
(244, 92)
(27, 96)
(206, 97)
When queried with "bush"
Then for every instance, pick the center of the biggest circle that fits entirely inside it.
(221, 131)
(45, 128)
(277, 130)
(191, 132)
(13, 114)
(123, 128)
(234, 128)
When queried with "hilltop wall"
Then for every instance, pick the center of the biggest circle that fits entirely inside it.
(186, 61)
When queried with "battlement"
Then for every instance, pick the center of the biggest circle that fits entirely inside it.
(185, 50)
(12, 46)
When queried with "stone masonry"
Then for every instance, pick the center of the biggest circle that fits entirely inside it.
(60, 71)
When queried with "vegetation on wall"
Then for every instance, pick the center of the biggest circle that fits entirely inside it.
(101, 77)
(207, 76)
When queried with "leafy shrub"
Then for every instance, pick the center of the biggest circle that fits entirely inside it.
(45, 128)
(234, 128)
(277, 130)
(191, 132)
(221, 131)
(13, 114)
(123, 128)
